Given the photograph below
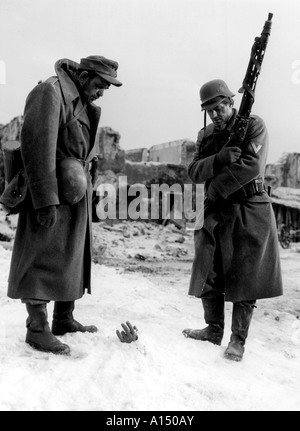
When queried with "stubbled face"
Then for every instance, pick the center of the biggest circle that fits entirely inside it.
(220, 115)
(93, 88)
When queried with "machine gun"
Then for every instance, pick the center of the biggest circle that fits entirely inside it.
(248, 88)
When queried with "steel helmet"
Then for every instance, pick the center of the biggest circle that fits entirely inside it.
(212, 92)
(72, 180)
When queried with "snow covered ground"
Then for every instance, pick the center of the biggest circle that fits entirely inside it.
(163, 370)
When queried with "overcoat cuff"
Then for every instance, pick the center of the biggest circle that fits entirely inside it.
(44, 193)
(201, 170)
(223, 185)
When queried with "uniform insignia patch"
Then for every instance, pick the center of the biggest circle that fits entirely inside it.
(255, 147)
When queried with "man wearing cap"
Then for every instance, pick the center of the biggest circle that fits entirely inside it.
(51, 259)
(236, 246)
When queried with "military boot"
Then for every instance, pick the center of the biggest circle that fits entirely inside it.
(63, 320)
(241, 318)
(39, 335)
(214, 317)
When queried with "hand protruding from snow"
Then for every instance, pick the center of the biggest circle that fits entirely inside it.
(129, 334)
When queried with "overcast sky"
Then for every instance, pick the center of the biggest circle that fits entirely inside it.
(166, 50)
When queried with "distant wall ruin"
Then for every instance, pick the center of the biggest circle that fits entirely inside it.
(8, 132)
(162, 163)
(178, 152)
(285, 173)
(111, 155)
(137, 155)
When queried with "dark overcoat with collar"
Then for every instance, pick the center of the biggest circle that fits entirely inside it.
(244, 229)
(54, 263)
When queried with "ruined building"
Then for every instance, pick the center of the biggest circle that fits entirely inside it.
(114, 166)
(9, 132)
(167, 164)
(284, 178)
(284, 173)
(178, 152)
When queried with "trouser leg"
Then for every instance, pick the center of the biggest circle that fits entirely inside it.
(213, 303)
(214, 311)
(34, 301)
(212, 296)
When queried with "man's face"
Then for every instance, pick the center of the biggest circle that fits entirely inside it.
(220, 115)
(93, 88)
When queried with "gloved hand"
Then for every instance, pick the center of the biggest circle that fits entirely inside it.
(228, 155)
(129, 333)
(47, 216)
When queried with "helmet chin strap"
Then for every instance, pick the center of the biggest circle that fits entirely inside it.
(204, 120)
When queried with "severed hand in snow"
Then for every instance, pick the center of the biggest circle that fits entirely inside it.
(129, 334)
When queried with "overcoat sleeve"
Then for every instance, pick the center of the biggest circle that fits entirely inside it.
(249, 166)
(201, 167)
(38, 143)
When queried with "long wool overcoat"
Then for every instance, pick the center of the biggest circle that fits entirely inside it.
(246, 228)
(54, 263)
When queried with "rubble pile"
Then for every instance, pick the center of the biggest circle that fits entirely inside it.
(130, 244)
(7, 230)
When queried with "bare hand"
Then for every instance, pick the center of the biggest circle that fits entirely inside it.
(129, 334)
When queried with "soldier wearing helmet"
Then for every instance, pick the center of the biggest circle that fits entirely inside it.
(51, 259)
(236, 247)
(213, 92)
(216, 100)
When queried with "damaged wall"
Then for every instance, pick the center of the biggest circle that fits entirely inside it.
(149, 174)
(169, 166)
(179, 152)
(285, 173)
(111, 155)
(137, 155)
(9, 132)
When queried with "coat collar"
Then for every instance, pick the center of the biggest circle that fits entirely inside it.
(231, 121)
(65, 69)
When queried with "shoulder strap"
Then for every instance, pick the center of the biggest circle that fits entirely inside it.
(208, 130)
(52, 80)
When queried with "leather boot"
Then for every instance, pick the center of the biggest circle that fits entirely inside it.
(214, 317)
(63, 320)
(241, 318)
(39, 335)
